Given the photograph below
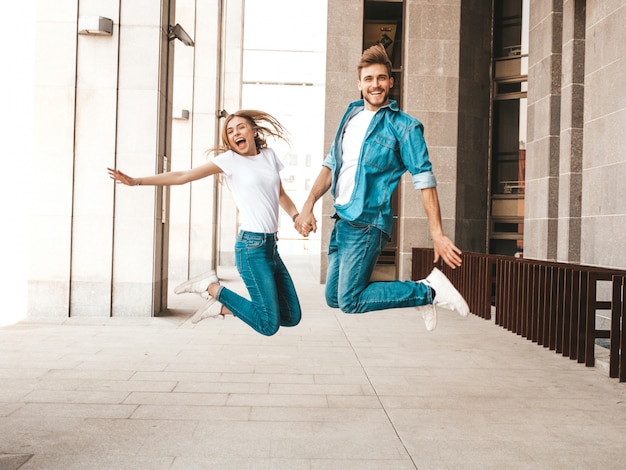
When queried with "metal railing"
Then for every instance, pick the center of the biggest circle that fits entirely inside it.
(552, 304)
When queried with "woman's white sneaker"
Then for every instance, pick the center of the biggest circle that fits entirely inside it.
(198, 284)
(211, 308)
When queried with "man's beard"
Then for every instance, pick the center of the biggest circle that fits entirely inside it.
(384, 98)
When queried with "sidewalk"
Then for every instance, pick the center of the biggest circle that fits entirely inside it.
(374, 391)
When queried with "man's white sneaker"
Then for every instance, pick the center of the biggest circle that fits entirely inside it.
(445, 294)
(429, 313)
(211, 308)
(198, 284)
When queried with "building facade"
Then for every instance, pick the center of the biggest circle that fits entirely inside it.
(522, 101)
(117, 85)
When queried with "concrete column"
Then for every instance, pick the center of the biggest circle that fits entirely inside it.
(544, 122)
(94, 149)
(431, 94)
(142, 142)
(52, 174)
(571, 141)
(603, 211)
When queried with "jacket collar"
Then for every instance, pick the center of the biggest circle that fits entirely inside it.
(392, 105)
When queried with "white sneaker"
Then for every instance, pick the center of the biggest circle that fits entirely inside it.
(446, 295)
(429, 313)
(211, 308)
(198, 284)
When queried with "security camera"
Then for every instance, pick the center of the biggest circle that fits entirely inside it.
(177, 32)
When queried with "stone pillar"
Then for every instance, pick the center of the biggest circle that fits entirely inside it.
(571, 138)
(604, 163)
(544, 123)
(431, 94)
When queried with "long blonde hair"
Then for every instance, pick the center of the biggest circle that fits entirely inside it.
(263, 124)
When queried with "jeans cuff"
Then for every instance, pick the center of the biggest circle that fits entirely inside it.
(219, 291)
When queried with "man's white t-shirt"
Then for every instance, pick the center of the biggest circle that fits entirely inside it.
(255, 185)
(353, 138)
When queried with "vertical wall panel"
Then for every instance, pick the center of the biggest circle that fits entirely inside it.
(604, 164)
(94, 149)
(141, 132)
(544, 117)
(51, 179)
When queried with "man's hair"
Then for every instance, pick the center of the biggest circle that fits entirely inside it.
(375, 54)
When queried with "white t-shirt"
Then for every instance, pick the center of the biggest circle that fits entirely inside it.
(255, 185)
(351, 148)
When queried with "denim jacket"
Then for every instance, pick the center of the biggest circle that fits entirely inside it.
(393, 144)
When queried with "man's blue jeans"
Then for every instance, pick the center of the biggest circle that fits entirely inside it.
(352, 255)
(273, 299)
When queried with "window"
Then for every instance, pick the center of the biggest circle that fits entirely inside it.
(508, 146)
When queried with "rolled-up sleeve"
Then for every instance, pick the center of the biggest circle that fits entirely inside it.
(415, 157)
(424, 180)
(329, 161)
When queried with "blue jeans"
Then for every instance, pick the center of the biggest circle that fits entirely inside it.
(352, 254)
(273, 298)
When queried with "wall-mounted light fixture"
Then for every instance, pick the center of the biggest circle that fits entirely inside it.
(95, 25)
(177, 32)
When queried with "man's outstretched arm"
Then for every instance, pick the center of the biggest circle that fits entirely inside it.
(444, 248)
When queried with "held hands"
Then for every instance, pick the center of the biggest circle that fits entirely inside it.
(447, 251)
(305, 223)
(120, 177)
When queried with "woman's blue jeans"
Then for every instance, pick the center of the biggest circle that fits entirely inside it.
(352, 255)
(273, 299)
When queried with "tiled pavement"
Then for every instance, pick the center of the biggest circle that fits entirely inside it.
(374, 391)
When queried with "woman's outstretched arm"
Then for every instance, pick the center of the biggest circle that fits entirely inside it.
(170, 178)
